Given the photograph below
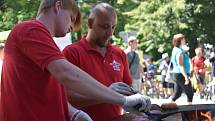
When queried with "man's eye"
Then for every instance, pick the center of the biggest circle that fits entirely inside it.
(113, 27)
(105, 26)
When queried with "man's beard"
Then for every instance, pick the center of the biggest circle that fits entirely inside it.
(101, 43)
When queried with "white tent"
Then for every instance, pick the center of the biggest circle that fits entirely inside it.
(4, 35)
(62, 42)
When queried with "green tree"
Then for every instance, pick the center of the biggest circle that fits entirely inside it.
(199, 16)
(13, 12)
(156, 21)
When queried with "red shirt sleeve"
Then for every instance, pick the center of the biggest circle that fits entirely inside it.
(71, 55)
(39, 46)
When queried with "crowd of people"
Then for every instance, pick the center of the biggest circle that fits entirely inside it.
(91, 79)
(189, 74)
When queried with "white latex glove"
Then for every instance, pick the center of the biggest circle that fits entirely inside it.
(138, 101)
(121, 88)
(77, 115)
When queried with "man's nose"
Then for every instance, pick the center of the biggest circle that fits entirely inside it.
(110, 32)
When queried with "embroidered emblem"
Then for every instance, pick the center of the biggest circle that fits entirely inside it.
(115, 65)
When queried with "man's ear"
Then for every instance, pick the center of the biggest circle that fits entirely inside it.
(58, 6)
(90, 23)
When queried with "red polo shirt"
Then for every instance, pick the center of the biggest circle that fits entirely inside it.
(107, 70)
(27, 94)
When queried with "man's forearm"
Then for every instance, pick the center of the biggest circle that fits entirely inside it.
(89, 87)
(78, 81)
(74, 79)
(80, 101)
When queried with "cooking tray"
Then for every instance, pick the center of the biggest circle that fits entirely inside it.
(140, 116)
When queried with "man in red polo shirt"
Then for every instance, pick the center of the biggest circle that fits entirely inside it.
(32, 58)
(106, 63)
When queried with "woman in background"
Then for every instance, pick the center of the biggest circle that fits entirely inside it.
(181, 68)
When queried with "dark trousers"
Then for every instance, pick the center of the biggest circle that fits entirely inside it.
(200, 78)
(179, 87)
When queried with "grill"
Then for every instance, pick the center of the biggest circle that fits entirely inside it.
(190, 112)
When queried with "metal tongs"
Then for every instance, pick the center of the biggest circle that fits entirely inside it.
(134, 91)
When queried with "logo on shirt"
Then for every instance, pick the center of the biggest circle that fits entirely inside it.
(115, 65)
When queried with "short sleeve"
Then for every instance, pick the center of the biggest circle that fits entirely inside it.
(38, 45)
(179, 52)
(71, 54)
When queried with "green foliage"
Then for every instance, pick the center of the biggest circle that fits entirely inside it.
(15, 11)
(156, 21)
(199, 16)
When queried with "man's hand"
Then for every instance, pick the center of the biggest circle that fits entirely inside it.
(121, 88)
(139, 101)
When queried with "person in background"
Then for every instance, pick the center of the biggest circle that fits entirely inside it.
(31, 59)
(181, 68)
(144, 66)
(212, 60)
(151, 82)
(108, 64)
(163, 67)
(151, 69)
(134, 61)
(198, 67)
(144, 78)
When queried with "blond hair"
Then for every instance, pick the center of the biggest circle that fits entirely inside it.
(67, 4)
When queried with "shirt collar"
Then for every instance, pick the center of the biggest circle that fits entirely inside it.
(88, 47)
